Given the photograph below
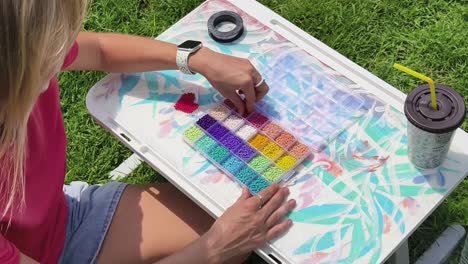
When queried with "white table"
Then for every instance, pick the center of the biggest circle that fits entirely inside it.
(358, 201)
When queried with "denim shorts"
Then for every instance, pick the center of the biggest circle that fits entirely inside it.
(90, 212)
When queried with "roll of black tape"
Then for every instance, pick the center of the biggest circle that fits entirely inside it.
(225, 36)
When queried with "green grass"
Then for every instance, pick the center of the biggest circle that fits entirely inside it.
(429, 36)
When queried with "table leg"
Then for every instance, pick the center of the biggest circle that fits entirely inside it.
(126, 167)
(441, 250)
(401, 256)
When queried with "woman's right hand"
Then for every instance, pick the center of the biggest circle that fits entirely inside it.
(248, 224)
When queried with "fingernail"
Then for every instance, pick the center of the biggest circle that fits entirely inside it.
(286, 190)
(292, 203)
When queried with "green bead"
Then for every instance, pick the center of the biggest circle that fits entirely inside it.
(205, 144)
(258, 185)
(193, 133)
(218, 153)
(246, 175)
(273, 173)
(259, 163)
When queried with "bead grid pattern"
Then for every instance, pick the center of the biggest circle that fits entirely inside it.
(253, 150)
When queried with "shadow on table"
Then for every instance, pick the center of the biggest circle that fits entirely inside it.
(449, 174)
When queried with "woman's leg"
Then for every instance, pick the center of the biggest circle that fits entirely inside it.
(151, 222)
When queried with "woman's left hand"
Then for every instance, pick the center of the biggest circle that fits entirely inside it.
(231, 76)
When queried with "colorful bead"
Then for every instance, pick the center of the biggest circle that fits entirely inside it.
(206, 122)
(219, 112)
(205, 144)
(233, 164)
(285, 140)
(221, 136)
(259, 141)
(259, 163)
(246, 132)
(286, 162)
(258, 185)
(218, 153)
(272, 150)
(231, 142)
(273, 173)
(193, 133)
(257, 119)
(218, 131)
(272, 130)
(299, 150)
(246, 175)
(245, 152)
(233, 122)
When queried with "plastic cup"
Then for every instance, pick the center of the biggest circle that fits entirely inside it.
(430, 131)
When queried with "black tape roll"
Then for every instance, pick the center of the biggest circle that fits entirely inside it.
(228, 36)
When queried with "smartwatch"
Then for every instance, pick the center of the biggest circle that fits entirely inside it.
(184, 51)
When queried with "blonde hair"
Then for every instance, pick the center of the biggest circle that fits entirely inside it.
(35, 36)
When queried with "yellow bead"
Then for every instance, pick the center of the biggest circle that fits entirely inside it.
(259, 141)
(286, 162)
(272, 150)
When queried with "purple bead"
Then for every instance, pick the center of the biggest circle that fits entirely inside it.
(218, 131)
(245, 152)
(231, 142)
(206, 122)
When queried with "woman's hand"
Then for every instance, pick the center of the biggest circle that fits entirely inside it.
(247, 225)
(231, 76)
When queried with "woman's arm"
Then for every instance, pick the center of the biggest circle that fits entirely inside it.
(198, 252)
(125, 54)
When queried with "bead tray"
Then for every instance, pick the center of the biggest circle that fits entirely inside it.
(315, 107)
(253, 150)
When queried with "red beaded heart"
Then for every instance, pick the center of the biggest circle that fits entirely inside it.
(186, 103)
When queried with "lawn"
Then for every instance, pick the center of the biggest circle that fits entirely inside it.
(427, 35)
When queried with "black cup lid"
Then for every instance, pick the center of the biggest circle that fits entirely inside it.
(449, 115)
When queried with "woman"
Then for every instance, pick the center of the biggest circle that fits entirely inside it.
(43, 221)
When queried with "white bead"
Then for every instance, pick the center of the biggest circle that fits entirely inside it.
(233, 122)
(219, 112)
(246, 132)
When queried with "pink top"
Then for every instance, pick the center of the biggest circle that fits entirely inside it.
(39, 231)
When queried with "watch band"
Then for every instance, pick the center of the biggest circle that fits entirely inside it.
(182, 61)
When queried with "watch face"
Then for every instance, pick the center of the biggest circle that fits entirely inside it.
(190, 44)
